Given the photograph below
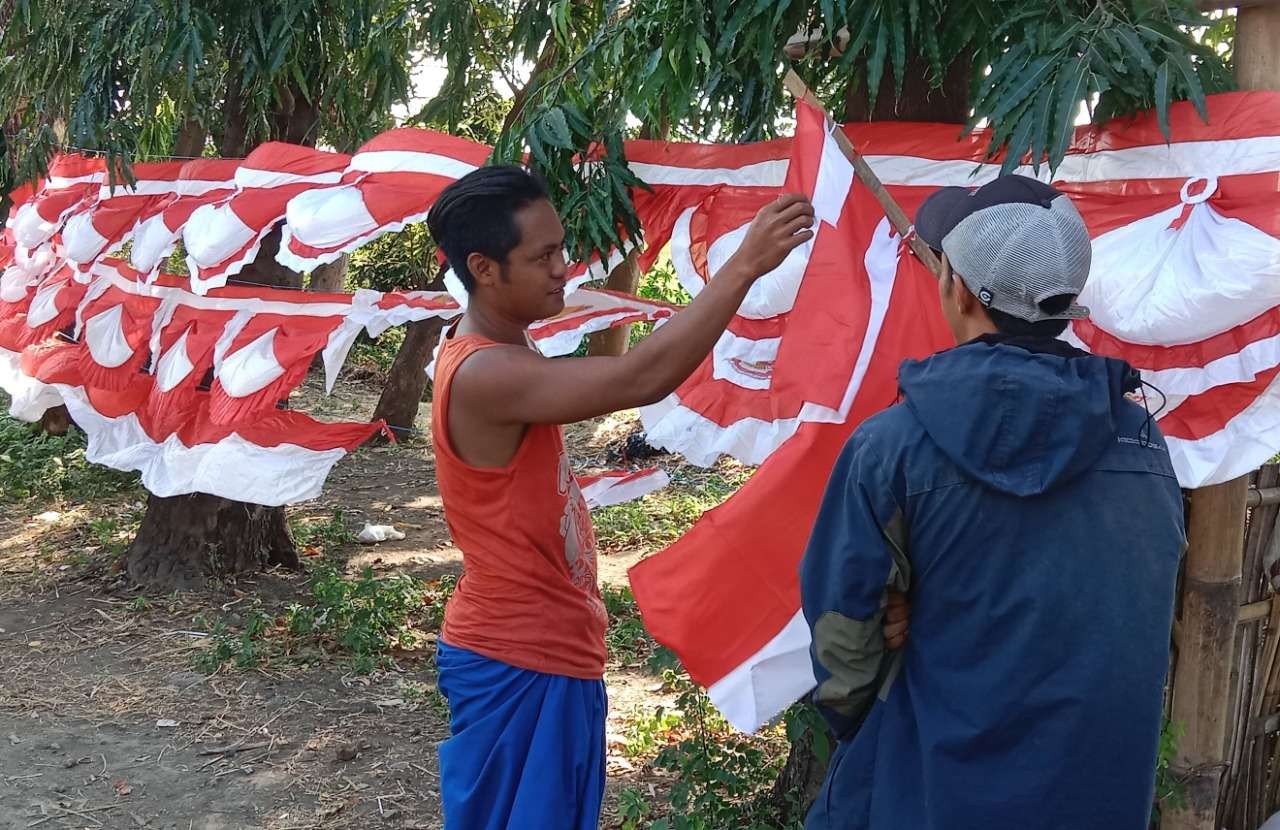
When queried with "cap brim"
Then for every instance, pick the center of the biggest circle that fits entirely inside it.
(940, 213)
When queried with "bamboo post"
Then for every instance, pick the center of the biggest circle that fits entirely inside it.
(1215, 531)
(1202, 682)
(897, 216)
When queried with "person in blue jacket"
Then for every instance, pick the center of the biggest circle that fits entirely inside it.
(1027, 507)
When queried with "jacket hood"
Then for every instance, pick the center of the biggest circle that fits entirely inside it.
(1022, 415)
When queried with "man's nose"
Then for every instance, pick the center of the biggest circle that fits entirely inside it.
(559, 267)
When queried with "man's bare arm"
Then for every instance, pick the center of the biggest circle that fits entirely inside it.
(515, 385)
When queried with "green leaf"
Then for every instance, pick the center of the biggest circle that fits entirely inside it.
(1072, 87)
(1040, 128)
(1010, 62)
(1195, 92)
(1016, 149)
(1026, 83)
(875, 65)
(1162, 98)
(1137, 50)
(651, 64)
(557, 129)
(828, 16)
(539, 152)
(899, 27)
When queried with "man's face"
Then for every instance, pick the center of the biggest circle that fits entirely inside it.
(531, 283)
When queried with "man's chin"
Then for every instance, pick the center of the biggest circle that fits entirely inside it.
(555, 304)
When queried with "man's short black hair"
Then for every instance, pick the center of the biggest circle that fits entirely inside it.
(477, 214)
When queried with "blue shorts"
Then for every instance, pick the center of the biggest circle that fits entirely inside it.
(527, 749)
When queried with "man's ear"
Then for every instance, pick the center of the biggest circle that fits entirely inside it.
(966, 302)
(482, 268)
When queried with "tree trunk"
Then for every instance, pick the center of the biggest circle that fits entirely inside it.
(192, 136)
(233, 141)
(797, 785)
(1256, 55)
(265, 270)
(296, 118)
(1207, 625)
(187, 541)
(331, 276)
(919, 101)
(614, 341)
(407, 379)
(56, 420)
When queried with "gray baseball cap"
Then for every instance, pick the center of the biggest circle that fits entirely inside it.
(1018, 244)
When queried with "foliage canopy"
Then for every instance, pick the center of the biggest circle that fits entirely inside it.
(121, 74)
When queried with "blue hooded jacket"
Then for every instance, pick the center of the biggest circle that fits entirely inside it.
(1031, 512)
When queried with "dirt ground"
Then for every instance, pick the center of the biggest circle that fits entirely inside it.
(105, 722)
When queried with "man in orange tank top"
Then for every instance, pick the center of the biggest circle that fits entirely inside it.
(521, 654)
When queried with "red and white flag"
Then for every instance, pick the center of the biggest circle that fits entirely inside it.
(726, 597)
(222, 238)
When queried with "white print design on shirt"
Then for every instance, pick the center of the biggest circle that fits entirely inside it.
(579, 536)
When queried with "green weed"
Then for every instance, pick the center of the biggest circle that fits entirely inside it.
(112, 534)
(721, 778)
(660, 518)
(245, 649)
(367, 617)
(364, 620)
(35, 465)
(437, 597)
(627, 639)
(647, 732)
(1171, 792)
(377, 355)
(320, 536)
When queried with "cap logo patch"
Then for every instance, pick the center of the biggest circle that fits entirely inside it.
(985, 295)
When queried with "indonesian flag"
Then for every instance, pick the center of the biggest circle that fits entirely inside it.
(726, 596)
(72, 179)
(392, 182)
(109, 222)
(200, 182)
(619, 486)
(222, 238)
(787, 355)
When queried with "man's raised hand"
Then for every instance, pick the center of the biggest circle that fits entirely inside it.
(897, 620)
(779, 228)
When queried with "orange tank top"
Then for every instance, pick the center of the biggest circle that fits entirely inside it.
(528, 595)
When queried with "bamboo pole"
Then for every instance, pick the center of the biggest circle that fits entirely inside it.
(1202, 682)
(1215, 531)
(897, 216)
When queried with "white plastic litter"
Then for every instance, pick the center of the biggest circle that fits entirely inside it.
(372, 534)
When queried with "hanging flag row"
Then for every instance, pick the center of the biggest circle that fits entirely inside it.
(188, 389)
(1185, 286)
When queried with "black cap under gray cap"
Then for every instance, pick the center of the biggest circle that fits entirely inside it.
(1018, 244)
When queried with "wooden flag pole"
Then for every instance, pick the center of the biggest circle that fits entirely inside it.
(897, 216)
